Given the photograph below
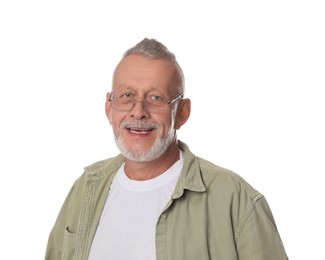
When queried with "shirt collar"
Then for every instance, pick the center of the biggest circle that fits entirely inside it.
(190, 177)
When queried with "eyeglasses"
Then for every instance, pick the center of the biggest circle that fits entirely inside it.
(152, 103)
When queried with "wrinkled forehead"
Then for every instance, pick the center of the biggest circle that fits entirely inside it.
(142, 73)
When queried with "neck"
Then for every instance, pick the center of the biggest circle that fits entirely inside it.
(142, 171)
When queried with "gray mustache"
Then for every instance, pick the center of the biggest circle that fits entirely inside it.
(138, 125)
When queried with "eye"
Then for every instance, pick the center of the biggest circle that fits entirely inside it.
(155, 98)
(127, 95)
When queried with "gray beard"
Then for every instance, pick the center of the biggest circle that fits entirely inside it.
(155, 151)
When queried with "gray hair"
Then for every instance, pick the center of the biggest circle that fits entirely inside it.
(154, 49)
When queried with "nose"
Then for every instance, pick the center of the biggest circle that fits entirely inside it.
(139, 110)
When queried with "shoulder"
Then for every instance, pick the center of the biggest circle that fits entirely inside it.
(218, 179)
(105, 165)
(200, 175)
(99, 170)
(96, 175)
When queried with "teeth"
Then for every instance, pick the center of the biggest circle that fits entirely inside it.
(138, 128)
(139, 131)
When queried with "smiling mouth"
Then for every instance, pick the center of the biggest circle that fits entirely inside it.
(140, 130)
(138, 127)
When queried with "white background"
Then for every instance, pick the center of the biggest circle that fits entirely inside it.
(254, 72)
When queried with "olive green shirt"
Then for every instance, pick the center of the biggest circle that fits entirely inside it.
(213, 214)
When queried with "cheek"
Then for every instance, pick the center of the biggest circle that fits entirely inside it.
(115, 122)
(166, 126)
(116, 128)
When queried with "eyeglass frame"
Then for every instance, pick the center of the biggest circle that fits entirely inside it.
(180, 95)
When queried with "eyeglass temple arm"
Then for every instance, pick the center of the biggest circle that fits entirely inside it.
(180, 95)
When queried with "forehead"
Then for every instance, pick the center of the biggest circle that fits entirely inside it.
(143, 74)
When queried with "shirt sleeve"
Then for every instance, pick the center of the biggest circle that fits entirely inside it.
(258, 238)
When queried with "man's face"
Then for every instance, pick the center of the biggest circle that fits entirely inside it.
(142, 135)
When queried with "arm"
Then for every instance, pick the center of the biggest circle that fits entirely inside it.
(257, 236)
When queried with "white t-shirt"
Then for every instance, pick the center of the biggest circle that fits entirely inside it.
(127, 226)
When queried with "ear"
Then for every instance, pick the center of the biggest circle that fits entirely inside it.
(183, 113)
(108, 107)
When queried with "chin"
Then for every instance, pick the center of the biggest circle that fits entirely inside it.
(152, 153)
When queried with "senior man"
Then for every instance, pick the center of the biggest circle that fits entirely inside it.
(157, 200)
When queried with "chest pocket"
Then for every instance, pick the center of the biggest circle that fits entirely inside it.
(69, 242)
